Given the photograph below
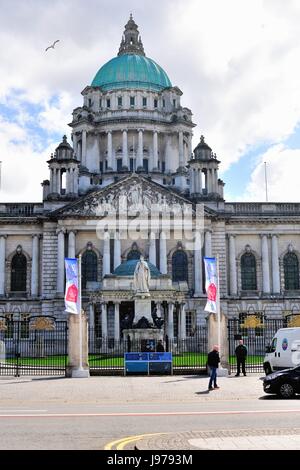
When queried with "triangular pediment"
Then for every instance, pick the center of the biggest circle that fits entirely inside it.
(131, 193)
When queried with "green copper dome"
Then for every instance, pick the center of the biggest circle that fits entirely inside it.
(127, 269)
(131, 71)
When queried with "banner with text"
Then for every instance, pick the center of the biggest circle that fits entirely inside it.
(72, 303)
(211, 284)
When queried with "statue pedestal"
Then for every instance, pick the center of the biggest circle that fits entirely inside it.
(142, 339)
(142, 308)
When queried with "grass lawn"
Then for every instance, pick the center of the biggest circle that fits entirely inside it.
(179, 360)
(38, 361)
(254, 359)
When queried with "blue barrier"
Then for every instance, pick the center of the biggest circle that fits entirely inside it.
(147, 363)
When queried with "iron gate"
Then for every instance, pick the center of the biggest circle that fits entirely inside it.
(257, 332)
(36, 345)
(106, 356)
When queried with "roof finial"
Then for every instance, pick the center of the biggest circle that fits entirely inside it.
(131, 42)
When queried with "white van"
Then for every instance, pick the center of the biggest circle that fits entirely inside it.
(284, 350)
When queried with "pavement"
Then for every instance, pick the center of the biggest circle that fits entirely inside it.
(117, 392)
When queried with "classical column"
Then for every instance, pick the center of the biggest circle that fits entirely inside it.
(199, 181)
(104, 320)
(2, 264)
(54, 180)
(117, 321)
(265, 264)
(58, 181)
(170, 320)
(60, 261)
(182, 321)
(92, 318)
(198, 265)
(189, 146)
(139, 163)
(109, 151)
(67, 181)
(117, 250)
(163, 253)
(275, 265)
(75, 181)
(35, 266)
(181, 152)
(155, 150)
(232, 266)
(75, 140)
(207, 243)
(152, 249)
(83, 148)
(71, 244)
(192, 181)
(106, 254)
(125, 150)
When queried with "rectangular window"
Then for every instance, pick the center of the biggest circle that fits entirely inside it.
(100, 103)
(164, 103)
(108, 103)
(119, 100)
(144, 101)
(145, 164)
(101, 167)
(90, 102)
(174, 103)
(119, 164)
(155, 103)
(132, 163)
(132, 101)
(163, 167)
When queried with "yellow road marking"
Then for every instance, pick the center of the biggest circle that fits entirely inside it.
(121, 443)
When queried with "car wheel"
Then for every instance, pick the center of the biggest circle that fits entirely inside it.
(286, 390)
(268, 369)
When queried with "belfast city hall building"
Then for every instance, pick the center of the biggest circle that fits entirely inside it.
(131, 184)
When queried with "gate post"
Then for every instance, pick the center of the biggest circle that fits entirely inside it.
(212, 337)
(73, 346)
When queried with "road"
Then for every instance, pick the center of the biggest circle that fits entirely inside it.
(149, 413)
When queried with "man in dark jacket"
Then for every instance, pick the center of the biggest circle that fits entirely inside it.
(213, 360)
(241, 354)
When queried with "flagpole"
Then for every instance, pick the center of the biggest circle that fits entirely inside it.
(80, 316)
(218, 307)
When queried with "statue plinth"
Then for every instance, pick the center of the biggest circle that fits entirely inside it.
(142, 308)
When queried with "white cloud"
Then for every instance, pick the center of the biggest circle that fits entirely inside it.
(282, 168)
(237, 63)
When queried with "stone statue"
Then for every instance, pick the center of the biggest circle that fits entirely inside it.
(141, 278)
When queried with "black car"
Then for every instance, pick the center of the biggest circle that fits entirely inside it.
(283, 382)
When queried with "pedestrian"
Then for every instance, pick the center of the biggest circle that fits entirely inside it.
(241, 355)
(160, 346)
(213, 360)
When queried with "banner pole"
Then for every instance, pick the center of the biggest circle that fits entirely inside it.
(218, 306)
(80, 316)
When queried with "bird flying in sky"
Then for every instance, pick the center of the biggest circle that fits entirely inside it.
(52, 45)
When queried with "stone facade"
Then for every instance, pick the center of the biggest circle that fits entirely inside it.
(135, 143)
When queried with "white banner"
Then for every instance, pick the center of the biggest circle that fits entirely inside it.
(72, 299)
(211, 284)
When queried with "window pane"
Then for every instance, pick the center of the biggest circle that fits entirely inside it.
(291, 271)
(179, 266)
(18, 272)
(248, 272)
(89, 267)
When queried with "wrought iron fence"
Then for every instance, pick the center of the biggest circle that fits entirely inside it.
(106, 356)
(257, 332)
(35, 346)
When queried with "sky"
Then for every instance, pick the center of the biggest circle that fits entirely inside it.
(236, 62)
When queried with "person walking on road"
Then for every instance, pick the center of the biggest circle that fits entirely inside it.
(213, 360)
(241, 355)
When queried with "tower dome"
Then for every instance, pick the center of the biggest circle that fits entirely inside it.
(131, 68)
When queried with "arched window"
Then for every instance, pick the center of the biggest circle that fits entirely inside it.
(291, 271)
(88, 267)
(133, 254)
(248, 272)
(179, 266)
(18, 273)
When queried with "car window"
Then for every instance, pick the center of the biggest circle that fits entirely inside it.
(273, 345)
